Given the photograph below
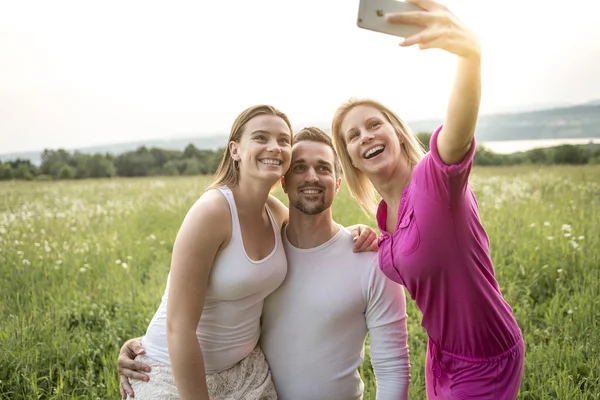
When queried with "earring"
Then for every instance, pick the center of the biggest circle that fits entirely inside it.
(236, 164)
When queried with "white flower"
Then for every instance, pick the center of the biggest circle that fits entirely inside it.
(550, 238)
(566, 227)
(546, 223)
(124, 265)
(118, 262)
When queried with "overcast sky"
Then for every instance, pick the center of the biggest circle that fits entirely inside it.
(80, 73)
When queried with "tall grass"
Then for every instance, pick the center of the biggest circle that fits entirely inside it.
(84, 264)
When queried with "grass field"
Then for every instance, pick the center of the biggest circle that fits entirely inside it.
(84, 264)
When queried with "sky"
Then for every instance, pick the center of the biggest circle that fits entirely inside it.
(82, 73)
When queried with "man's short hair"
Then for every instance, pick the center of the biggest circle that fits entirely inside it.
(314, 134)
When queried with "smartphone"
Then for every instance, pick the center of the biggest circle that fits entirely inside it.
(371, 16)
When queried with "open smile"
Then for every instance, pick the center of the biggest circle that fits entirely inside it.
(270, 161)
(311, 191)
(373, 151)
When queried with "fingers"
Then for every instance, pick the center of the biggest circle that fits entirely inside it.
(365, 241)
(422, 37)
(359, 240)
(422, 18)
(130, 368)
(125, 388)
(374, 246)
(428, 5)
(136, 347)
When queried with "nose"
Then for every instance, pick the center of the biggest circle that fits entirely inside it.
(311, 176)
(274, 147)
(366, 137)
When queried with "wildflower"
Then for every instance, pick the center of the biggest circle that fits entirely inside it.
(550, 238)
(124, 265)
(566, 227)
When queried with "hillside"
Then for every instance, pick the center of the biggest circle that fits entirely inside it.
(580, 121)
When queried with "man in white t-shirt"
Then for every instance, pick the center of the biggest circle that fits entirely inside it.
(315, 324)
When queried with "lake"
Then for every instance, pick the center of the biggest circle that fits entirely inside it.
(513, 146)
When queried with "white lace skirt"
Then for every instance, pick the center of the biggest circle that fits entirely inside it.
(250, 379)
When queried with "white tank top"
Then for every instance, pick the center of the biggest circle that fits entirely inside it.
(229, 327)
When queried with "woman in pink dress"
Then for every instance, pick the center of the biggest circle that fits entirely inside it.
(432, 240)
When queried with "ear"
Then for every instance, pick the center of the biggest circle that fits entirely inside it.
(338, 184)
(283, 185)
(233, 149)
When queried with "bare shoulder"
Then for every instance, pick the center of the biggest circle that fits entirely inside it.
(209, 216)
(279, 210)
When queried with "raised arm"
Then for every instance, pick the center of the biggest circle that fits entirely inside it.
(386, 322)
(443, 30)
(201, 236)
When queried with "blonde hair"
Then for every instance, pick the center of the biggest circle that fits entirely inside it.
(227, 173)
(359, 185)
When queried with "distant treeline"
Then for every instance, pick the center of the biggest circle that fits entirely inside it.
(60, 164)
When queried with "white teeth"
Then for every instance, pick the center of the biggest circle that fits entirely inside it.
(270, 161)
(373, 150)
(310, 191)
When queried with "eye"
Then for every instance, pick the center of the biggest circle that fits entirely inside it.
(374, 125)
(324, 168)
(299, 168)
(352, 136)
(284, 140)
(260, 138)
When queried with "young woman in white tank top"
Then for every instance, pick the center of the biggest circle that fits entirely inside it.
(202, 343)
(203, 340)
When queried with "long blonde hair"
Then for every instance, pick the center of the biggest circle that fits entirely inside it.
(227, 173)
(358, 183)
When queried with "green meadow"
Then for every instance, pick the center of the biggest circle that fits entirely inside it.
(83, 265)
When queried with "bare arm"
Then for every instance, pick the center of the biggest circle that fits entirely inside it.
(443, 30)
(455, 138)
(201, 236)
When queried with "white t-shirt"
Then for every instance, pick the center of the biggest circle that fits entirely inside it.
(314, 325)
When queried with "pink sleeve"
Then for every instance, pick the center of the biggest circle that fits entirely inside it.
(443, 182)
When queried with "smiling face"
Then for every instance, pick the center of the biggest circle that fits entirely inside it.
(371, 141)
(264, 149)
(312, 183)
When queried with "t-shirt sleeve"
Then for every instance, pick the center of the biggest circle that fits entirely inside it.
(386, 322)
(442, 182)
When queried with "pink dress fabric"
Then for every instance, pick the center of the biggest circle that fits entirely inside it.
(439, 251)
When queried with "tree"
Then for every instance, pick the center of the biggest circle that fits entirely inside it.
(569, 154)
(6, 172)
